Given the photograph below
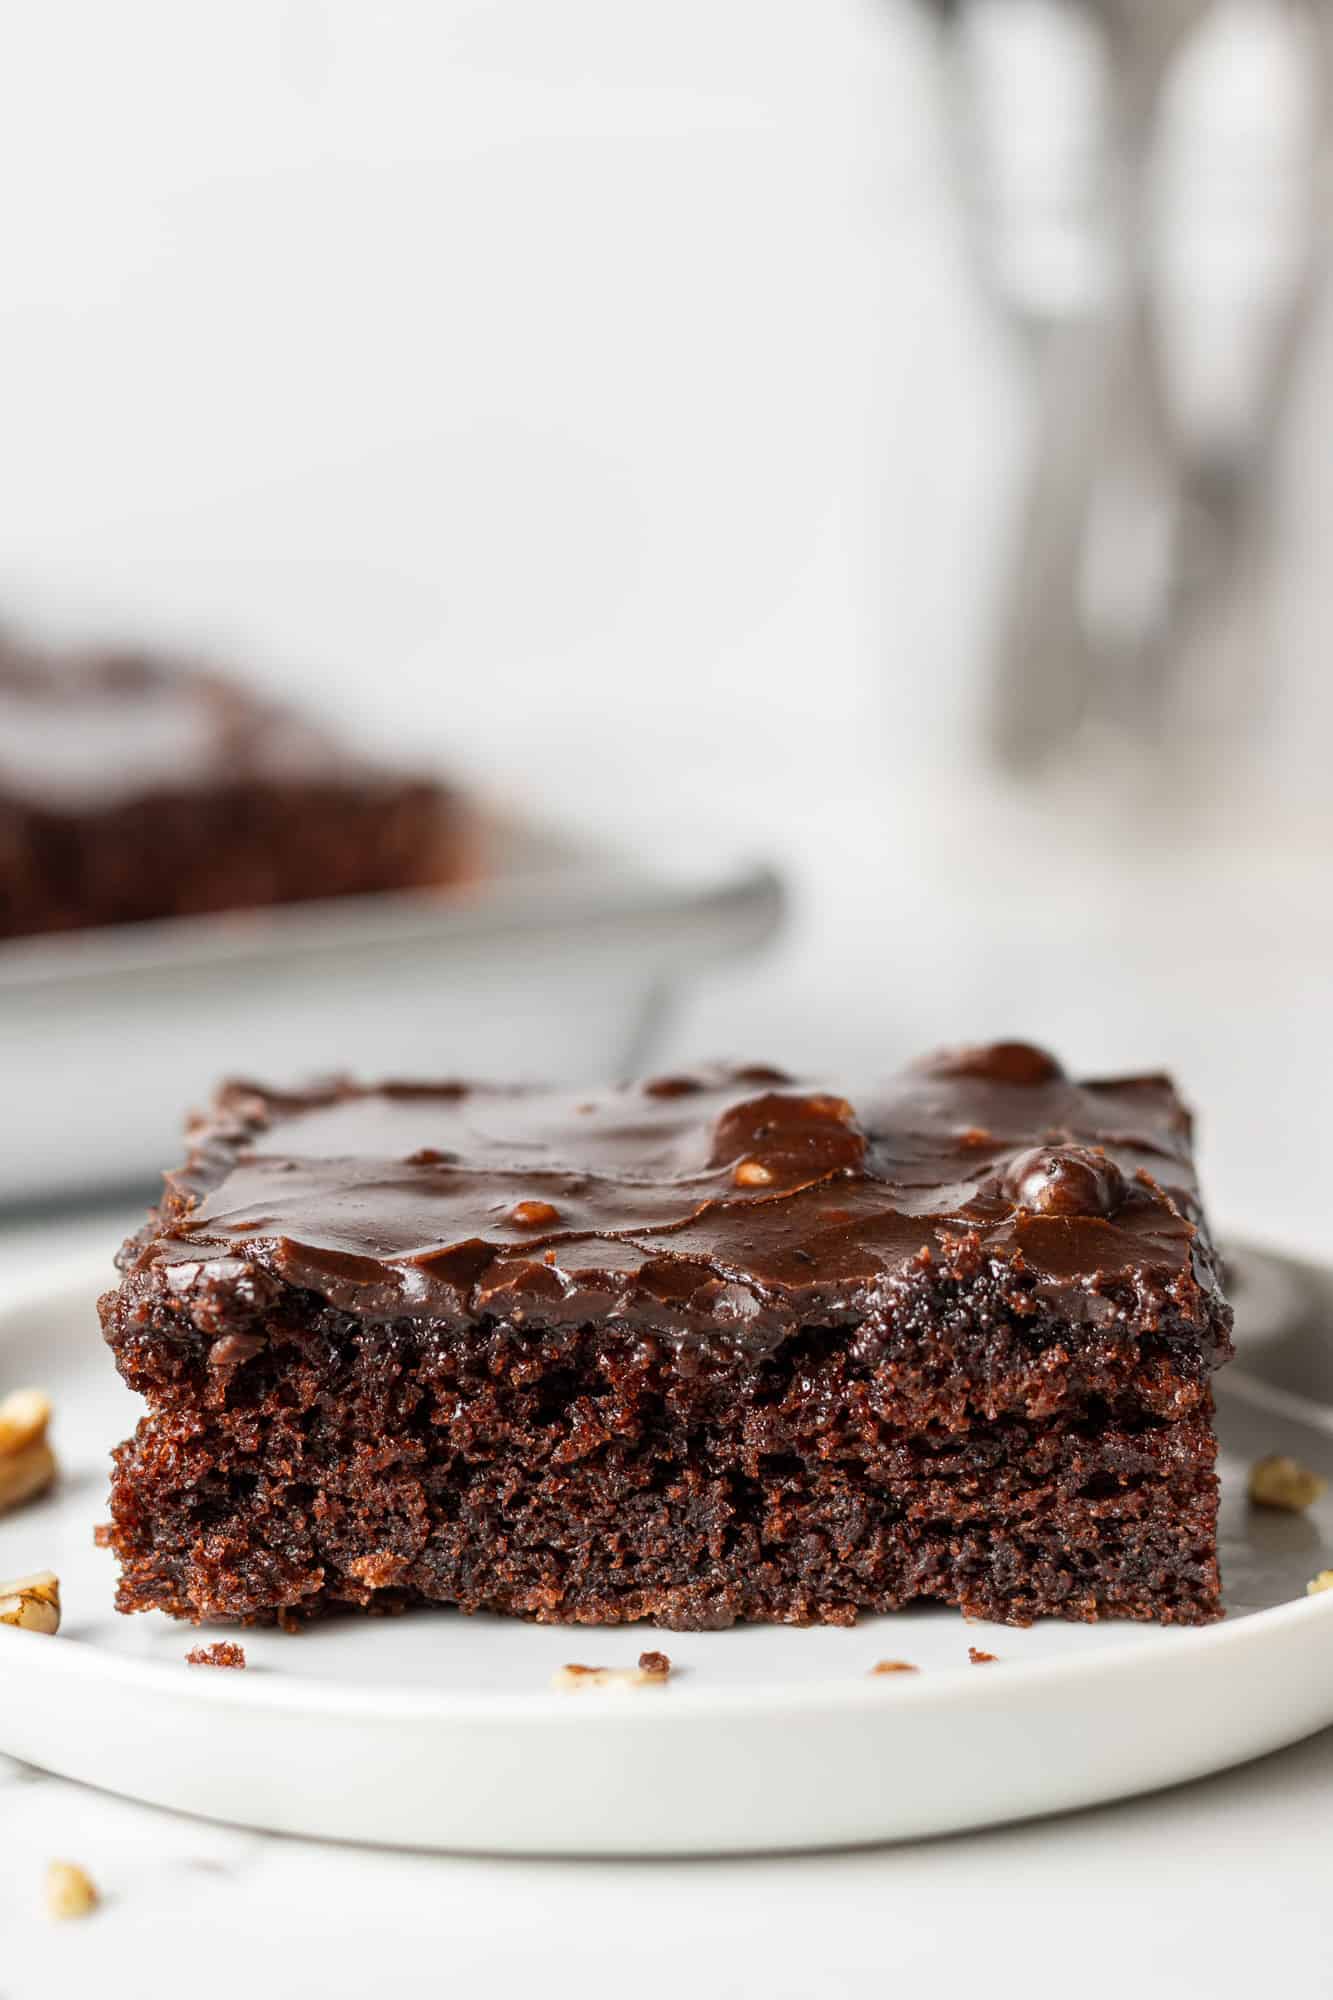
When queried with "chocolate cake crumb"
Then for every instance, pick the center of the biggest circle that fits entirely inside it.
(104, 1535)
(233, 1350)
(221, 1654)
(980, 1659)
(654, 1663)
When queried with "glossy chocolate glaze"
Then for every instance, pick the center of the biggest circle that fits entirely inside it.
(727, 1201)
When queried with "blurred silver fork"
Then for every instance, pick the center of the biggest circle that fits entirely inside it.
(1120, 529)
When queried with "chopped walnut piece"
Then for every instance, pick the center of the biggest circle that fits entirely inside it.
(831, 1107)
(894, 1667)
(32, 1603)
(25, 1474)
(980, 1659)
(70, 1891)
(1324, 1581)
(752, 1173)
(27, 1463)
(574, 1679)
(221, 1654)
(534, 1214)
(1285, 1483)
(654, 1663)
(24, 1416)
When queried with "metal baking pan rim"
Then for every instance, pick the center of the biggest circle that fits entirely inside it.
(574, 889)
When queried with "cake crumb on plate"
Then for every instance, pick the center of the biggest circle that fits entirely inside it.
(574, 1679)
(221, 1654)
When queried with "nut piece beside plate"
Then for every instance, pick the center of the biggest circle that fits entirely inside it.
(27, 1463)
(1285, 1483)
(573, 1679)
(70, 1891)
(32, 1603)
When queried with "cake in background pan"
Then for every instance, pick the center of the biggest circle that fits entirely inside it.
(134, 788)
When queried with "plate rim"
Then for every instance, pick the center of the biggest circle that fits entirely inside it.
(72, 1280)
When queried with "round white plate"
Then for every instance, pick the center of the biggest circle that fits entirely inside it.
(435, 1730)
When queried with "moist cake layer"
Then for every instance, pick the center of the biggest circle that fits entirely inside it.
(579, 1474)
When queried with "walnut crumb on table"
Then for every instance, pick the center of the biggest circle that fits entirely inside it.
(1277, 1481)
(70, 1891)
(32, 1603)
(222, 1653)
(980, 1659)
(27, 1463)
(575, 1679)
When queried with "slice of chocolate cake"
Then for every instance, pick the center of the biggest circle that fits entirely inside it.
(717, 1346)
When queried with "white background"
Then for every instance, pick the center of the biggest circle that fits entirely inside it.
(566, 386)
(541, 379)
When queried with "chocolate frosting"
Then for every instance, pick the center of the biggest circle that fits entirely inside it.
(724, 1201)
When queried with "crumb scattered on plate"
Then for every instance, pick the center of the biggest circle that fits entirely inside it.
(894, 1667)
(221, 1654)
(980, 1659)
(575, 1679)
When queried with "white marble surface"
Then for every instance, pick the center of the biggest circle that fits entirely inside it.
(1219, 1888)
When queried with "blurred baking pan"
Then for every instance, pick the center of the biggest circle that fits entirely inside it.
(557, 963)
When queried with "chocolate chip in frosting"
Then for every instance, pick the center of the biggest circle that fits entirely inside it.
(1065, 1180)
(671, 1086)
(534, 1214)
(1020, 1063)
